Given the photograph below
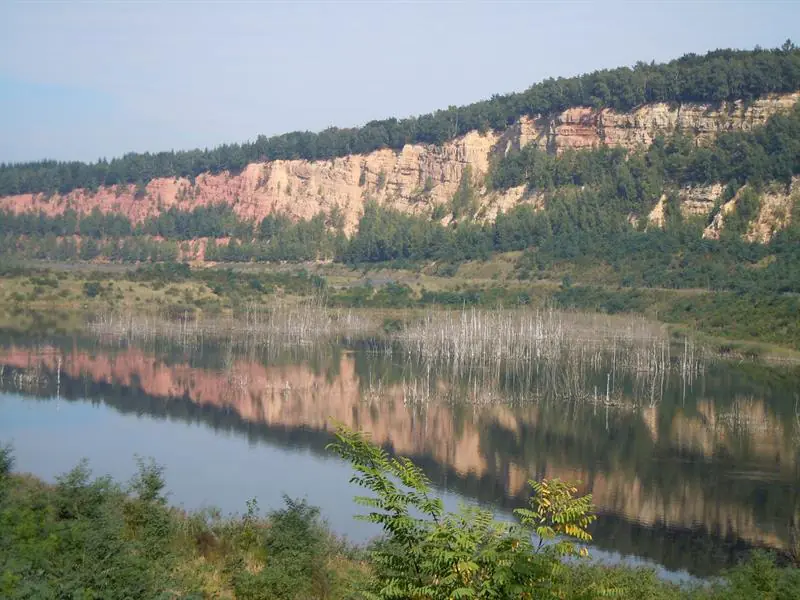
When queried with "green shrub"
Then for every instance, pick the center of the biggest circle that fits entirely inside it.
(91, 289)
(429, 553)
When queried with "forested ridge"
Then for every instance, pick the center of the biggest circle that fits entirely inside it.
(588, 198)
(583, 220)
(720, 75)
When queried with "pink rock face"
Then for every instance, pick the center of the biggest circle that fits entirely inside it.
(577, 128)
(413, 180)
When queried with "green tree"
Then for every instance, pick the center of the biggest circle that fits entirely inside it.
(430, 553)
(464, 201)
(91, 289)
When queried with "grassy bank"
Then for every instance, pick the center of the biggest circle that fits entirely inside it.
(62, 298)
(90, 537)
(94, 538)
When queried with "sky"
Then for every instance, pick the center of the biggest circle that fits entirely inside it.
(80, 80)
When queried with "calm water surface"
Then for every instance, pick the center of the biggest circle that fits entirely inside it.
(686, 473)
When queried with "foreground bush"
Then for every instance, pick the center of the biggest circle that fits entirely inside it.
(93, 538)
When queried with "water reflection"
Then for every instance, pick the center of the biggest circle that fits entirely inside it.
(686, 472)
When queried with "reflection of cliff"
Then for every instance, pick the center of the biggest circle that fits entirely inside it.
(730, 468)
(745, 422)
(286, 395)
(738, 483)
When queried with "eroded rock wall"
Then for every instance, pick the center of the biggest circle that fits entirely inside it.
(416, 178)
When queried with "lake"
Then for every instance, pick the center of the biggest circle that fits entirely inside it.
(688, 467)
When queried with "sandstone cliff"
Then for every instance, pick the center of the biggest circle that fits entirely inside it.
(419, 177)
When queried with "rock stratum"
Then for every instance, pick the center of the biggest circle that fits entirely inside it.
(419, 177)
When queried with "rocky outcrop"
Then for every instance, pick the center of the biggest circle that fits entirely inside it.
(412, 180)
(775, 207)
(583, 127)
(417, 178)
(776, 204)
(775, 212)
(699, 200)
(693, 201)
(714, 228)
(658, 216)
(696, 200)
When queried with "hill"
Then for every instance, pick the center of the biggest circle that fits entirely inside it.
(679, 175)
(420, 177)
(417, 165)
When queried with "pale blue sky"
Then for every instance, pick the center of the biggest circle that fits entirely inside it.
(81, 80)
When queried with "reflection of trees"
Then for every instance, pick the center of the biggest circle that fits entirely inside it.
(608, 456)
(700, 551)
(614, 449)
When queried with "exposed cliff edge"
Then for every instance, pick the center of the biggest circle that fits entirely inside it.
(421, 177)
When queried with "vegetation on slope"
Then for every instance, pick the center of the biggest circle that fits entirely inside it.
(715, 77)
(589, 197)
(57, 300)
(767, 153)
